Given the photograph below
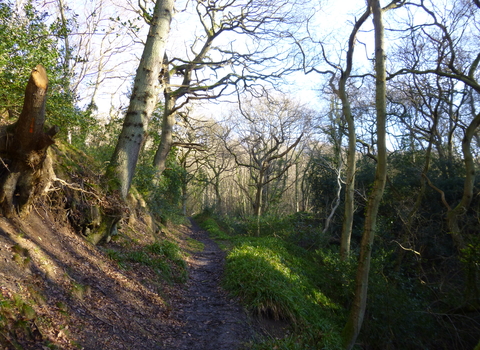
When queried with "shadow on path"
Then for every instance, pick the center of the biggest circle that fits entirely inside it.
(207, 318)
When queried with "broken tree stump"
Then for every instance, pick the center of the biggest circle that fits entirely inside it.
(25, 171)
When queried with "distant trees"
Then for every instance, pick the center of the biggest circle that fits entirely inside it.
(265, 140)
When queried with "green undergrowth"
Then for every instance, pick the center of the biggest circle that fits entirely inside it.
(20, 325)
(276, 279)
(164, 257)
(291, 273)
(279, 280)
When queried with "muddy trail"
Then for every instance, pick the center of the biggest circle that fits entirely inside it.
(207, 318)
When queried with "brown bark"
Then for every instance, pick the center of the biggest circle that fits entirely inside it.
(359, 305)
(23, 148)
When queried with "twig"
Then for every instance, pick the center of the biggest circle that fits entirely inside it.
(442, 194)
(409, 249)
(77, 188)
(5, 165)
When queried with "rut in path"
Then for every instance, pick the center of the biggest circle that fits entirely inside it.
(208, 318)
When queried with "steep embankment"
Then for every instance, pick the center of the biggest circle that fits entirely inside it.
(60, 291)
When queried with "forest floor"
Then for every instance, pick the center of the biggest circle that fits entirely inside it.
(83, 299)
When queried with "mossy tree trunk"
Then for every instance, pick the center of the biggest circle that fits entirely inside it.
(357, 311)
(25, 169)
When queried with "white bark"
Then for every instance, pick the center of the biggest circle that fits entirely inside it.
(143, 100)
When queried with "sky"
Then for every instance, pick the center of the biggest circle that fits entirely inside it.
(116, 51)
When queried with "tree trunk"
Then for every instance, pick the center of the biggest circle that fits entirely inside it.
(456, 214)
(357, 311)
(350, 181)
(25, 169)
(352, 140)
(257, 205)
(166, 139)
(218, 196)
(143, 100)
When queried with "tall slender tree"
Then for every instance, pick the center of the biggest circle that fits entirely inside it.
(341, 91)
(340, 77)
(357, 311)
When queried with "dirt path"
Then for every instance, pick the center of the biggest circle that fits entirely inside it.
(208, 319)
(87, 301)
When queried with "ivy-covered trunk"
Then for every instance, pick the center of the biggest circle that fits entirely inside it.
(25, 169)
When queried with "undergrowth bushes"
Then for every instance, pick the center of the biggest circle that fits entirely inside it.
(293, 273)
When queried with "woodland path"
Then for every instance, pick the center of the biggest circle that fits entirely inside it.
(88, 301)
(208, 318)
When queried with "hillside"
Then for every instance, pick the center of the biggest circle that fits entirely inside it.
(149, 287)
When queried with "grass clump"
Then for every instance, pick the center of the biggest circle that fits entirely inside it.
(272, 280)
(257, 274)
(210, 225)
(163, 257)
(277, 279)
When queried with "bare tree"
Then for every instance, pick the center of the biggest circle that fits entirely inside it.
(98, 49)
(262, 141)
(217, 64)
(218, 162)
(428, 111)
(339, 78)
(437, 49)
